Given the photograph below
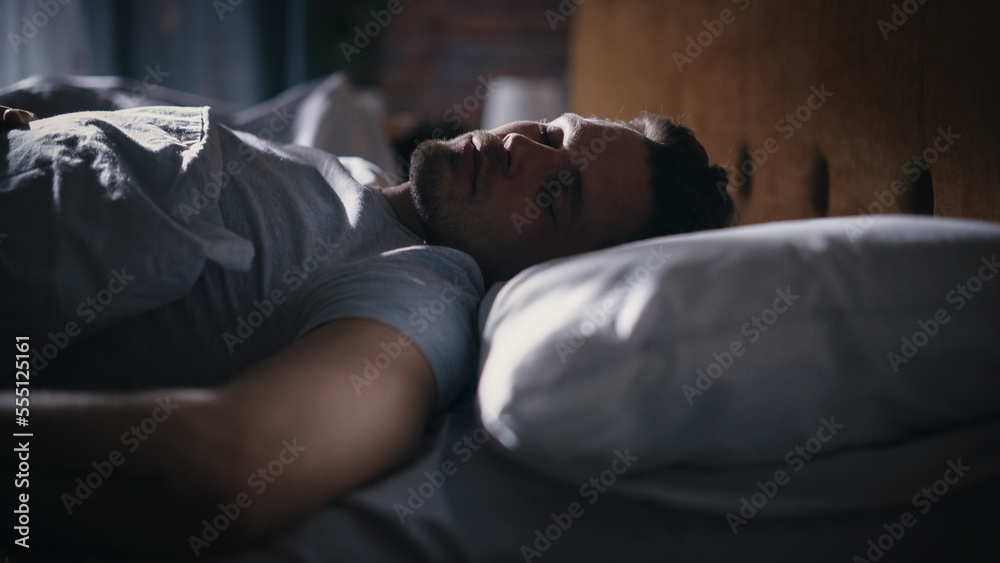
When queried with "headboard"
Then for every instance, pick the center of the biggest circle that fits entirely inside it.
(887, 106)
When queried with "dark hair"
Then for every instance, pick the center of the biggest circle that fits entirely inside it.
(688, 193)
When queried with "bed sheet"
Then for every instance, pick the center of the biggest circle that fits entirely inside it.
(327, 113)
(462, 500)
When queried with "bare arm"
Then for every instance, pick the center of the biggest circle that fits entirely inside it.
(283, 439)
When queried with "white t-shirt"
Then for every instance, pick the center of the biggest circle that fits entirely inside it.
(151, 247)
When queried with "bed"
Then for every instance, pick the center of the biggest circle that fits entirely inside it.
(675, 426)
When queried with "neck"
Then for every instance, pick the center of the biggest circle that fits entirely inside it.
(400, 199)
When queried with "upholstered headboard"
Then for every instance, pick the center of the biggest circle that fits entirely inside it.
(831, 106)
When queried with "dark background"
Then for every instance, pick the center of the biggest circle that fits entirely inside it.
(424, 60)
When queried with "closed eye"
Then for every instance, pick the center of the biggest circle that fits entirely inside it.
(544, 130)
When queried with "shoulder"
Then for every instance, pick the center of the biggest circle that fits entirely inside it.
(429, 294)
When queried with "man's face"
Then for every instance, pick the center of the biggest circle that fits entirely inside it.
(528, 192)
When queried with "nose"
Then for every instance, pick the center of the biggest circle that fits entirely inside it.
(528, 157)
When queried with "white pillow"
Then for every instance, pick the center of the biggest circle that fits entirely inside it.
(728, 348)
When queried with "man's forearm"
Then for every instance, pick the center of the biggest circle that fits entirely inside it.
(151, 435)
(146, 463)
(118, 515)
(261, 453)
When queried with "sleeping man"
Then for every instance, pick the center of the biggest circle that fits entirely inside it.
(241, 331)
